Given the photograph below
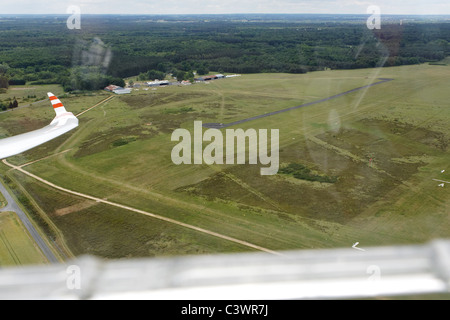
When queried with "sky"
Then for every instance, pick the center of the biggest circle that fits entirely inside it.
(441, 7)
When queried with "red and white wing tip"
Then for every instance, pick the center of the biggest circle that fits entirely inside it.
(56, 103)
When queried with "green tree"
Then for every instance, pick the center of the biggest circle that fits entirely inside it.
(4, 82)
(202, 71)
(181, 75)
(4, 68)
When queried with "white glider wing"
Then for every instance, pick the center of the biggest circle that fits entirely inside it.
(63, 122)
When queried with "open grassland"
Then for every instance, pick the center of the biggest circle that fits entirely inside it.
(27, 95)
(16, 245)
(383, 144)
(3, 201)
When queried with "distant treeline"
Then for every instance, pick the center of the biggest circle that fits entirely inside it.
(109, 48)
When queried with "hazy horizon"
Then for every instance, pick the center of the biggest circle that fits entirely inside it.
(214, 7)
(222, 14)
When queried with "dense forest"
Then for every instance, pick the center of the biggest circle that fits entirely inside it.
(42, 50)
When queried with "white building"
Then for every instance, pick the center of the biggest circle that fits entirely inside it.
(117, 89)
(158, 83)
(122, 91)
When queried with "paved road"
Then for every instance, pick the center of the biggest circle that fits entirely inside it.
(13, 206)
(224, 125)
(24, 106)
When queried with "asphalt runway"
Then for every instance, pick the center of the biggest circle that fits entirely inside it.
(225, 125)
(14, 207)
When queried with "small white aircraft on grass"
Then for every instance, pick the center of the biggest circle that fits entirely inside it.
(63, 122)
(355, 247)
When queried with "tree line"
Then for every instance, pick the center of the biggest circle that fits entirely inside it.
(41, 50)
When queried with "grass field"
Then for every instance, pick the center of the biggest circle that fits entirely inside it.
(16, 245)
(3, 201)
(121, 152)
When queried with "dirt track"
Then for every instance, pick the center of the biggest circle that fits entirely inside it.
(211, 233)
